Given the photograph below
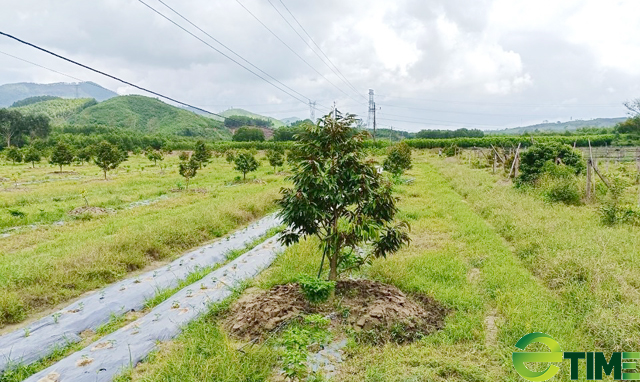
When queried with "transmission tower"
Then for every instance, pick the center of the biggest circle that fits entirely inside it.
(371, 123)
(312, 111)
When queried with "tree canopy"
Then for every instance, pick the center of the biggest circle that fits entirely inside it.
(108, 157)
(339, 196)
(240, 121)
(440, 134)
(248, 134)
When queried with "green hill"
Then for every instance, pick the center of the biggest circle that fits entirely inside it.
(149, 115)
(10, 93)
(245, 113)
(58, 110)
(560, 127)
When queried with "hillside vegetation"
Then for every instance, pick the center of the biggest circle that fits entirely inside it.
(561, 126)
(58, 110)
(10, 93)
(244, 113)
(149, 115)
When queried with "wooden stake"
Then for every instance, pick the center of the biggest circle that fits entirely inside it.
(588, 188)
(515, 159)
(495, 159)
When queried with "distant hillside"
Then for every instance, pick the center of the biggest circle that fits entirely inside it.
(560, 126)
(290, 120)
(244, 113)
(58, 110)
(149, 115)
(10, 93)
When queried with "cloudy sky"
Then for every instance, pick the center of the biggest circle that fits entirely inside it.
(484, 64)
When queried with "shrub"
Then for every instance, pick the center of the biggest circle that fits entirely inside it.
(399, 159)
(534, 161)
(316, 290)
(563, 190)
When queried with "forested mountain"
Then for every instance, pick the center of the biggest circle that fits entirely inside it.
(560, 127)
(10, 93)
(58, 110)
(150, 116)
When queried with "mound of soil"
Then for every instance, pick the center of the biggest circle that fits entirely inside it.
(377, 312)
(90, 210)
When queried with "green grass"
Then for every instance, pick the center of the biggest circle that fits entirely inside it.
(43, 267)
(449, 241)
(588, 267)
(483, 249)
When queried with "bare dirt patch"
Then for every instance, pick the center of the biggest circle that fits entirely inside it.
(377, 312)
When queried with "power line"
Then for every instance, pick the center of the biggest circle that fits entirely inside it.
(108, 75)
(501, 104)
(226, 47)
(321, 51)
(435, 121)
(290, 48)
(227, 56)
(43, 67)
(310, 47)
(457, 112)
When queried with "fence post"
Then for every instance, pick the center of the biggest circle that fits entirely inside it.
(588, 188)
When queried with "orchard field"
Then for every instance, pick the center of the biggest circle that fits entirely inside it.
(504, 261)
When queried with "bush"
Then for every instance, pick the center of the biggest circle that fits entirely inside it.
(450, 151)
(399, 159)
(535, 161)
(316, 290)
(563, 190)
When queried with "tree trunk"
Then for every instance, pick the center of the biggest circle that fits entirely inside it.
(61, 169)
(244, 176)
(333, 267)
(105, 174)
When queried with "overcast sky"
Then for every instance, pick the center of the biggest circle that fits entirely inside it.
(484, 64)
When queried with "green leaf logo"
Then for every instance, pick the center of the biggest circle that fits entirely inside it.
(555, 355)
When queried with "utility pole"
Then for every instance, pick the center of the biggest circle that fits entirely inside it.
(312, 111)
(371, 123)
(335, 114)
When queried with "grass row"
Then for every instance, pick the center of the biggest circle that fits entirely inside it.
(589, 267)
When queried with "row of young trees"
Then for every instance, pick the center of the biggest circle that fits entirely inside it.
(105, 155)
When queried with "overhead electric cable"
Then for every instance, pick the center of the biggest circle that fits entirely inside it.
(107, 75)
(456, 112)
(226, 47)
(321, 51)
(226, 55)
(500, 103)
(43, 67)
(444, 123)
(291, 49)
(313, 50)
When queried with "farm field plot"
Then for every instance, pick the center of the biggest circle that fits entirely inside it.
(48, 256)
(501, 261)
(466, 254)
